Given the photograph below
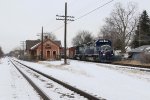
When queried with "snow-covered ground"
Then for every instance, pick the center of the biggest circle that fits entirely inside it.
(52, 89)
(102, 80)
(13, 86)
(111, 82)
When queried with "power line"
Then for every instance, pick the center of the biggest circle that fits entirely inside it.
(58, 28)
(46, 25)
(87, 13)
(94, 10)
(87, 6)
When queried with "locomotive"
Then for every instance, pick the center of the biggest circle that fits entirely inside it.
(99, 51)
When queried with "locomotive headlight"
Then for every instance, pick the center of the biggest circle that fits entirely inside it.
(104, 54)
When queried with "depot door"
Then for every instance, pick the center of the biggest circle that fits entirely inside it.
(54, 54)
(48, 54)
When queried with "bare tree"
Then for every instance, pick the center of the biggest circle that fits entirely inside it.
(48, 35)
(121, 24)
(82, 37)
(109, 32)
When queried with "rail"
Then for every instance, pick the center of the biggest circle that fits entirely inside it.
(78, 91)
(39, 91)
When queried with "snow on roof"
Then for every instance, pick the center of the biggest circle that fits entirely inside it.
(36, 45)
(32, 48)
(141, 49)
(148, 48)
(31, 43)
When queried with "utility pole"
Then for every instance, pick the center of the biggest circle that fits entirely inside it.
(42, 44)
(65, 18)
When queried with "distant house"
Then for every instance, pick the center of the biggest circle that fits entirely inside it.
(137, 53)
(51, 49)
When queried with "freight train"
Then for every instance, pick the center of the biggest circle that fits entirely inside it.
(99, 51)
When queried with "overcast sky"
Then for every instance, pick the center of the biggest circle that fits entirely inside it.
(21, 20)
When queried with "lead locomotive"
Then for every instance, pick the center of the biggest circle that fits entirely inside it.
(99, 50)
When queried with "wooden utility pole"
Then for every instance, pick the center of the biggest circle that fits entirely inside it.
(65, 34)
(65, 18)
(42, 44)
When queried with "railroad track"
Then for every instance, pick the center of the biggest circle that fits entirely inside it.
(44, 95)
(128, 66)
(131, 66)
(39, 91)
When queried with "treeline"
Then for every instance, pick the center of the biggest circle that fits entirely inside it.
(142, 33)
(124, 27)
(1, 52)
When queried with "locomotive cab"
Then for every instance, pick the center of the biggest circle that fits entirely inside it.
(105, 50)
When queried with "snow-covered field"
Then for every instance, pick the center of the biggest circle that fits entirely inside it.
(103, 80)
(111, 82)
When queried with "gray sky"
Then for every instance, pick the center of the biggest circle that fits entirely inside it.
(21, 20)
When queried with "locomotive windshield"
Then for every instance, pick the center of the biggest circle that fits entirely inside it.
(106, 48)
